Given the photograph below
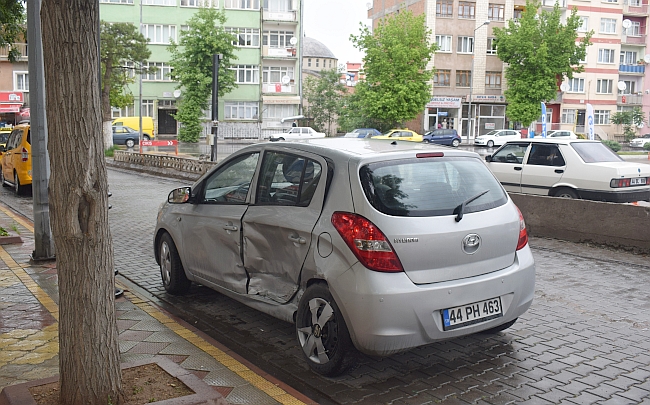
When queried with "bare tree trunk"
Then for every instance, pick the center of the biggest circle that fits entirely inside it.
(89, 359)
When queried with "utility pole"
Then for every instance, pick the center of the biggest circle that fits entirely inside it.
(216, 59)
(43, 242)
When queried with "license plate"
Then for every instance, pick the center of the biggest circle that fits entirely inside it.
(470, 314)
(635, 181)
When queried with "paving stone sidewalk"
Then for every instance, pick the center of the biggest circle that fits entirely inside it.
(29, 331)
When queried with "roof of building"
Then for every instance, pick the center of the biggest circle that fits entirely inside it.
(312, 48)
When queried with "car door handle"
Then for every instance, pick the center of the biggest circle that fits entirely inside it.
(559, 171)
(230, 228)
(297, 239)
(517, 168)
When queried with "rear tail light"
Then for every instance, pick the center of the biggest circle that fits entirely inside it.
(367, 242)
(637, 181)
(523, 234)
(24, 155)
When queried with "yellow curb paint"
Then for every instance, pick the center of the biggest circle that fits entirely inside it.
(18, 219)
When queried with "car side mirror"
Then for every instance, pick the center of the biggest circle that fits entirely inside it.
(180, 195)
(488, 158)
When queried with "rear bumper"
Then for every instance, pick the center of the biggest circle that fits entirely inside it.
(616, 197)
(387, 313)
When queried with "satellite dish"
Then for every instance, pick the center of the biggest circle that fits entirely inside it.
(286, 79)
(627, 23)
(640, 125)
(368, 6)
(646, 59)
(177, 93)
(621, 86)
(564, 87)
(293, 40)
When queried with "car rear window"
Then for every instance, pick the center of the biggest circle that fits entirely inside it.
(430, 186)
(595, 152)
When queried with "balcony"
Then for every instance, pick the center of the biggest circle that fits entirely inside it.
(638, 40)
(270, 88)
(22, 48)
(635, 8)
(635, 70)
(269, 52)
(551, 3)
(286, 16)
(629, 99)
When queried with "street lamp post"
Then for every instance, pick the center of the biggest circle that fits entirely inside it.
(470, 123)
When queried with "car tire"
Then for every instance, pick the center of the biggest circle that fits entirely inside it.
(146, 137)
(280, 139)
(455, 143)
(129, 143)
(18, 188)
(499, 328)
(2, 178)
(490, 144)
(425, 141)
(565, 192)
(171, 269)
(329, 335)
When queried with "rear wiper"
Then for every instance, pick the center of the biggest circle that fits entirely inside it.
(461, 207)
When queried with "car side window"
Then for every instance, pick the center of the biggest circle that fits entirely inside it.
(287, 180)
(231, 182)
(511, 153)
(545, 155)
(29, 136)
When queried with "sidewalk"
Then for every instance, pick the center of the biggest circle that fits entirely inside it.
(29, 331)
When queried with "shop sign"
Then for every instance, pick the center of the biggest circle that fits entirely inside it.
(442, 113)
(11, 97)
(488, 98)
(489, 125)
(444, 102)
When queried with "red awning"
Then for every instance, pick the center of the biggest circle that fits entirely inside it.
(10, 108)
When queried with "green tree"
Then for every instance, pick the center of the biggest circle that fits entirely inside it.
(324, 94)
(397, 84)
(191, 60)
(12, 26)
(352, 115)
(121, 44)
(630, 121)
(540, 51)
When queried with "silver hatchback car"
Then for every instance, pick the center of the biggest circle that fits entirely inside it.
(362, 243)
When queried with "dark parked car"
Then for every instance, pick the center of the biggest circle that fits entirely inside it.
(127, 136)
(443, 137)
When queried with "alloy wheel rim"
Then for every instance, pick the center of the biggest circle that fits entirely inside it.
(165, 263)
(318, 337)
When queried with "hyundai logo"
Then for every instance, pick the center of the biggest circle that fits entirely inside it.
(471, 243)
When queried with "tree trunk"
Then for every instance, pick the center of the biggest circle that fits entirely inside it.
(89, 359)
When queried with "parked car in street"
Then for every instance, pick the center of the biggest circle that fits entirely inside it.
(569, 168)
(297, 133)
(640, 141)
(4, 135)
(362, 244)
(17, 160)
(127, 136)
(448, 137)
(362, 133)
(400, 135)
(497, 137)
(559, 134)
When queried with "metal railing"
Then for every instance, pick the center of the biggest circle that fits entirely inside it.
(22, 48)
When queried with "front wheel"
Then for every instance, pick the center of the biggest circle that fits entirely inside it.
(566, 193)
(455, 143)
(130, 143)
(490, 144)
(171, 269)
(145, 137)
(2, 178)
(322, 332)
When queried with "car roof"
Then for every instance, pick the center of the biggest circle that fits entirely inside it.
(560, 140)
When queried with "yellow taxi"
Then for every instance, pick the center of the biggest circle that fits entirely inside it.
(17, 160)
(401, 135)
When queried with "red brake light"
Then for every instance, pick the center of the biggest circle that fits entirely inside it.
(24, 155)
(428, 155)
(523, 234)
(367, 242)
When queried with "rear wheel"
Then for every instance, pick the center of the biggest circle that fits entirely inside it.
(2, 178)
(490, 144)
(322, 332)
(130, 143)
(145, 137)
(171, 269)
(455, 143)
(18, 188)
(566, 193)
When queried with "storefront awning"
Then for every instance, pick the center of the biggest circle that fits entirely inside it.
(10, 108)
(281, 99)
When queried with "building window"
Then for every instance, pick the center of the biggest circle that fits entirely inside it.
(465, 45)
(605, 56)
(610, 1)
(330, 64)
(492, 46)
(242, 4)
(445, 8)
(162, 72)
(584, 24)
(576, 85)
(277, 6)
(466, 9)
(441, 78)
(518, 13)
(628, 58)
(147, 108)
(463, 78)
(246, 74)
(493, 80)
(117, 1)
(496, 12)
(568, 116)
(245, 37)
(604, 86)
(308, 62)
(278, 39)
(278, 111)
(241, 110)
(159, 34)
(274, 74)
(21, 81)
(159, 3)
(128, 111)
(630, 87)
(317, 62)
(199, 3)
(444, 43)
(608, 26)
(601, 117)
(634, 30)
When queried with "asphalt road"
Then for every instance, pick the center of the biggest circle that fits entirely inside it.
(586, 338)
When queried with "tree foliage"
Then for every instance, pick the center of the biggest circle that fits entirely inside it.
(324, 95)
(12, 26)
(630, 121)
(191, 60)
(540, 51)
(397, 84)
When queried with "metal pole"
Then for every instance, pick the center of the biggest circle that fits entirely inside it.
(140, 89)
(43, 242)
(216, 58)
(470, 130)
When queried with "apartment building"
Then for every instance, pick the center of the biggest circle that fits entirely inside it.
(469, 73)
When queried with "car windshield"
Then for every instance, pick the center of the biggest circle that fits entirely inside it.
(388, 132)
(427, 187)
(492, 133)
(4, 136)
(595, 152)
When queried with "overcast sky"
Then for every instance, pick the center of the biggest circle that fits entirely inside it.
(332, 21)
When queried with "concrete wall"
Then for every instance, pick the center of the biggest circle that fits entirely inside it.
(617, 225)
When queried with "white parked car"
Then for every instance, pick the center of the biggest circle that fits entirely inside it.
(559, 134)
(298, 133)
(640, 141)
(497, 137)
(569, 168)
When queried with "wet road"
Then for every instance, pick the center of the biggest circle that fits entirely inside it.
(586, 338)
